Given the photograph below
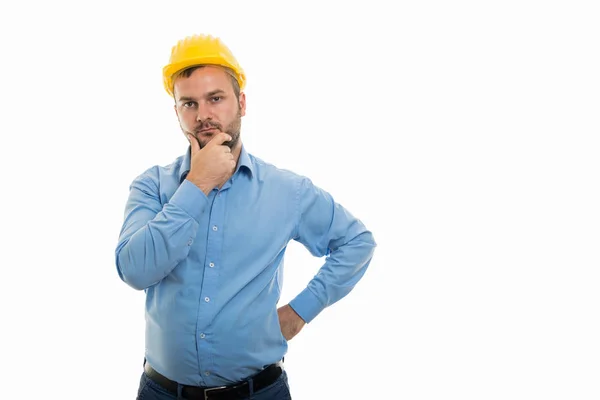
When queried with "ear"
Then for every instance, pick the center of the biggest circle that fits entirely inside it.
(243, 103)
(176, 112)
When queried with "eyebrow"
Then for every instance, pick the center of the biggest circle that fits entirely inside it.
(209, 94)
(218, 91)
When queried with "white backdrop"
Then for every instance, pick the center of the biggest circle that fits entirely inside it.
(463, 134)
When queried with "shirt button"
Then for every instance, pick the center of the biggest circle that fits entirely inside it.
(190, 242)
(215, 228)
(211, 265)
(207, 373)
(202, 336)
(206, 299)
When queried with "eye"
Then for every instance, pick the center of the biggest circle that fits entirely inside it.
(215, 99)
(189, 104)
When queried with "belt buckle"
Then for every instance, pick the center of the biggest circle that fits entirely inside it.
(210, 390)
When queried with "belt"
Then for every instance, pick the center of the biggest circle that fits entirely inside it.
(239, 390)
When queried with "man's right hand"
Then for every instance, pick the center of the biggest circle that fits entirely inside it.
(212, 165)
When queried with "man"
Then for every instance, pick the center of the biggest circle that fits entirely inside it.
(205, 238)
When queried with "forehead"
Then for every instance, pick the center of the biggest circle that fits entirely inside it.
(205, 79)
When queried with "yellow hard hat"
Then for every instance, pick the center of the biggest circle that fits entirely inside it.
(200, 50)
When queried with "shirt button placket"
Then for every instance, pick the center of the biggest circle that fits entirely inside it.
(214, 244)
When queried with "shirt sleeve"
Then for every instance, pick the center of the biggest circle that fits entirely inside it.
(155, 238)
(326, 228)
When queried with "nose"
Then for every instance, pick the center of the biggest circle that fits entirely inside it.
(203, 113)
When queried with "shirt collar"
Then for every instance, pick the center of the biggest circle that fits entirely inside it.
(243, 161)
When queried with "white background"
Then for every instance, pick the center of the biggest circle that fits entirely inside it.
(464, 134)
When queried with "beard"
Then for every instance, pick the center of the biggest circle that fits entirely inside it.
(233, 129)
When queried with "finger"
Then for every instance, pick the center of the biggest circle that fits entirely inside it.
(219, 139)
(194, 144)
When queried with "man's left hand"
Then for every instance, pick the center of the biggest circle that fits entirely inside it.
(290, 322)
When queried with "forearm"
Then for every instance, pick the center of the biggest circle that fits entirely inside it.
(149, 249)
(342, 270)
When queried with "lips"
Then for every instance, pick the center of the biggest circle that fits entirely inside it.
(207, 130)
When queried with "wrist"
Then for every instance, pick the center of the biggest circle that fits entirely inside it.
(206, 187)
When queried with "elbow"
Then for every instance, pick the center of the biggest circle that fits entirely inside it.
(371, 239)
(372, 244)
(367, 244)
(367, 240)
(130, 273)
(134, 280)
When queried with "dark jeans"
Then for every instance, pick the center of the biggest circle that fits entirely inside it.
(279, 390)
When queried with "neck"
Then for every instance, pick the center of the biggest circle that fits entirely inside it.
(236, 151)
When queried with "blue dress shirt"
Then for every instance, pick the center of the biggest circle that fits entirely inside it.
(211, 265)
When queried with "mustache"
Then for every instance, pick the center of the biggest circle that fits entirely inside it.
(208, 125)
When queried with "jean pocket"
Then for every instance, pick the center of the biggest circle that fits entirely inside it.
(278, 390)
(142, 388)
(153, 391)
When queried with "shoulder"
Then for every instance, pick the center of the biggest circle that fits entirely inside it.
(272, 174)
(159, 172)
